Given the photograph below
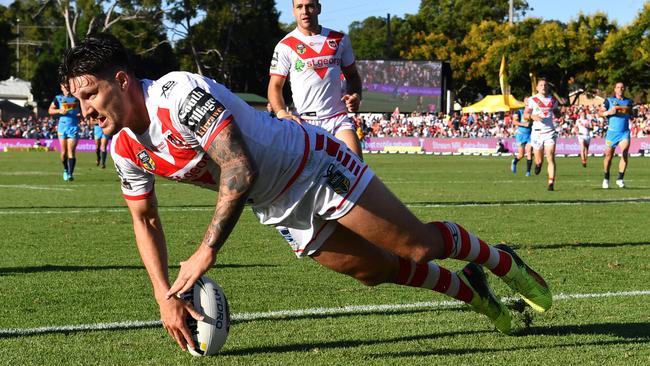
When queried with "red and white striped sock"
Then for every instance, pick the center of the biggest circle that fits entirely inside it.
(460, 244)
(433, 277)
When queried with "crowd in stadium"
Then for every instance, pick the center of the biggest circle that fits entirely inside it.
(474, 125)
(478, 125)
(38, 128)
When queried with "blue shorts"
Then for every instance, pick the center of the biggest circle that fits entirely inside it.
(614, 137)
(99, 134)
(67, 131)
(522, 139)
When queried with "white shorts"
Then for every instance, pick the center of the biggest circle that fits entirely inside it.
(585, 139)
(332, 124)
(542, 137)
(329, 186)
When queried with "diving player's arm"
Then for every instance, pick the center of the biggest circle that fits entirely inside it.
(238, 174)
(150, 240)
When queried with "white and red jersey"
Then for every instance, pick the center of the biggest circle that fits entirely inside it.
(187, 112)
(584, 126)
(543, 107)
(313, 65)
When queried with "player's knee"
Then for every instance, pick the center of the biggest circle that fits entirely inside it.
(370, 278)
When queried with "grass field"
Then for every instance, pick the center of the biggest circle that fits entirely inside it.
(68, 261)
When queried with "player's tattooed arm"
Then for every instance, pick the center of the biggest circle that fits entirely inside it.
(238, 173)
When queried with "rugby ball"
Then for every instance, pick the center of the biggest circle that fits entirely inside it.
(211, 333)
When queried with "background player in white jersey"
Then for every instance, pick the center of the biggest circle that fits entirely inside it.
(191, 129)
(583, 129)
(313, 58)
(542, 108)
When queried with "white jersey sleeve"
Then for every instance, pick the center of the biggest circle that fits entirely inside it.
(281, 61)
(347, 55)
(197, 114)
(136, 183)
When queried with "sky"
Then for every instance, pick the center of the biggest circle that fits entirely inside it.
(338, 14)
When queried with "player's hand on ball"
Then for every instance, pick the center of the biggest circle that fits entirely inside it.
(192, 269)
(173, 312)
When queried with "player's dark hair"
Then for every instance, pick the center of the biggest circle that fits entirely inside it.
(100, 55)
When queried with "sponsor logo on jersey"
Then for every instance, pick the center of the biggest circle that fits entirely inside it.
(167, 87)
(301, 48)
(146, 160)
(199, 111)
(177, 141)
(312, 44)
(337, 180)
(123, 181)
(321, 63)
(300, 65)
(274, 60)
(332, 44)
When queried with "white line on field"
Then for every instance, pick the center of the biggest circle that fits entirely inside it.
(638, 200)
(284, 314)
(42, 188)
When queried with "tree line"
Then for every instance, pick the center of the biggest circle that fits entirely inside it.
(232, 42)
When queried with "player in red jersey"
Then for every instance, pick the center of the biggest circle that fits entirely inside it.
(313, 57)
(189, 128)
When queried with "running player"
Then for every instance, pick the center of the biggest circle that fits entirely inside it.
(617, 110)
(313, 58)
(101, 143)
(583, 128)
(542, 108)
(522, 136)
(190, 129)
(67, 107)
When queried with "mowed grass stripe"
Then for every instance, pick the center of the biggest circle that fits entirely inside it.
(76, 210)
(298, 313)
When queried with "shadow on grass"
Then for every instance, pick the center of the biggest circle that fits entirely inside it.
(632, 333)
(350, 343)
(639, 331)
(60, 268)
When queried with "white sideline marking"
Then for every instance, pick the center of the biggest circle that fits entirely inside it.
(42, 188)
(283, 314)
(637, 200)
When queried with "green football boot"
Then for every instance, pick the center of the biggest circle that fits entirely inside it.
(484, 301)
(527, 283)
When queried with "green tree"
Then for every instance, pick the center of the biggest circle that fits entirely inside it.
(625, 56)
(454, 18)
(234, 43)
(5, 37)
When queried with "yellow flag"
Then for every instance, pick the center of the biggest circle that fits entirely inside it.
(533, 83)
(503, 80)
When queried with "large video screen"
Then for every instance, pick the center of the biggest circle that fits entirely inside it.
(408, 85)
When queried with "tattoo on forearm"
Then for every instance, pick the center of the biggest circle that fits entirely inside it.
(238, 174)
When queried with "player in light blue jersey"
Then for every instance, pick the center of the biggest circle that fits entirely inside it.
(522, 137)
(101, 142)
(617, 110)
(67, 107)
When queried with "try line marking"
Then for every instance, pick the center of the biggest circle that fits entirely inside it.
(288, 314)
(638, 200)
